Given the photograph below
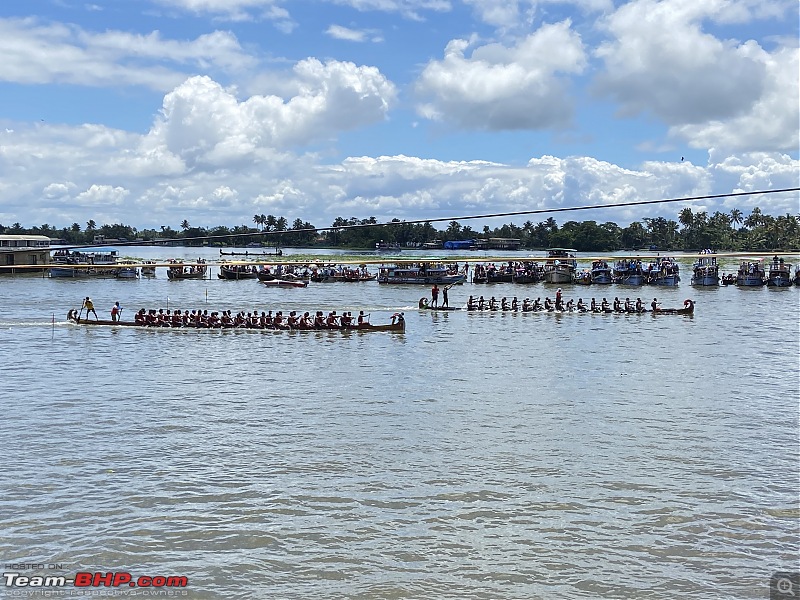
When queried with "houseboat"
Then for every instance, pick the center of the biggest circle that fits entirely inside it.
(751, 273)
(84, 263)
(425, 273)
(779, 274)
(601, 273)
(560, 265)
(390, 247)
(664, 271)
(705, 272)
(629, 272)
(24, 253)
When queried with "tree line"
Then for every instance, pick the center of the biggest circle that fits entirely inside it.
(692, 230)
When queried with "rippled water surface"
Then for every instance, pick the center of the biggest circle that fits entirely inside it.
(474, 456)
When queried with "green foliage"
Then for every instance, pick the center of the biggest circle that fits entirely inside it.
(692, 231)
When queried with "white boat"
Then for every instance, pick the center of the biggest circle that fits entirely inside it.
(425, 273)
(127, 273)
(705, 272)
(560, 265)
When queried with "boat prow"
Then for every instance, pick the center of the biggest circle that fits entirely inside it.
(688, 309)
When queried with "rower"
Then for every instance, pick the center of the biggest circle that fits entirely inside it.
(593, 305)
(548, 305)
(492, 303)
(617, 305)
(654, 305)
(581, 306)
(639, 305)
(471, 304)
(332, 320)
(604, 305)
(628, 305)
(140, 318)
(504, 304)
(319, 320)
(292, 320)
(362, 318)
(481, 303)
(570, 305)
(514, 304)
(347, 319)
(537, 305)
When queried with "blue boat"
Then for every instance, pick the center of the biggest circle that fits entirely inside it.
(751, 273)
(705, 272)
(601, 273)
(629, 272)
(664, 271)
(780, 273)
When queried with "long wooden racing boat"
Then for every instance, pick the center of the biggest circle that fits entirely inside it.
(398, 325)
(688, 309)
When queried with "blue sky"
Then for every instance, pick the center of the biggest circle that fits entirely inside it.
(149, 112)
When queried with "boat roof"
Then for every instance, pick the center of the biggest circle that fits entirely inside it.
(561, 249)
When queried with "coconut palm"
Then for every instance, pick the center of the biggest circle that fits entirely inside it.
(736, 216)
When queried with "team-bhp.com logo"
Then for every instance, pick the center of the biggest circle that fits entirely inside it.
(96, 580)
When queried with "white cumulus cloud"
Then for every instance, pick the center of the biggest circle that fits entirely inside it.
(503, 88)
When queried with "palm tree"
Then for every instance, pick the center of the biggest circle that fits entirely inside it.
(90, 225)
(184, 224)
(736, 216)
(686, 218)
(76, 227)
(755, 218)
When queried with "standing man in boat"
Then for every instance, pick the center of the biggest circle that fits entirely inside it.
(115, 312)
(89, 306)
(435, 295)
(445, 301)
(654, 305)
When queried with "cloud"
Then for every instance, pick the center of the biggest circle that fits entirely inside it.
(770, 124)
(711, 92)
(202, 123)
(236, 10)
(339, 32)
(503, 88)
(410, 9)
(39, 53)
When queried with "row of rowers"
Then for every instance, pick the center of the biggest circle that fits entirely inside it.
(558, 304)
(250, 320)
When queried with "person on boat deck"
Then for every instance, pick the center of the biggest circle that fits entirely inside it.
(581, 306)
(593, 305)
(492, 303)
(514, 303)
(654, 305)
(558, 297)
(398, 317)
(445, 301)
(435, 295)
(89, 306)
(115, 310)
(604, 305)
(639, 305)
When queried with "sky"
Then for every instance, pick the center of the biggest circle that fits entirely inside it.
(152, 112)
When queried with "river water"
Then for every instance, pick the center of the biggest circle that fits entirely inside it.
(475, 456)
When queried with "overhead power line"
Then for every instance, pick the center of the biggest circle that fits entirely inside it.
(537, 211)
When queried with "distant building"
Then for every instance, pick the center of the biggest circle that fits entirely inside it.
(504, 243)
(24, 253)
(459, 245)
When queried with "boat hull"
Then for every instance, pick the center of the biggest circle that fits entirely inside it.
(397, 327)
(437, 279)
(749, 281)
(705, 280)
(557, 277)
(285, 283)
(779, 281)
(236, 275)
